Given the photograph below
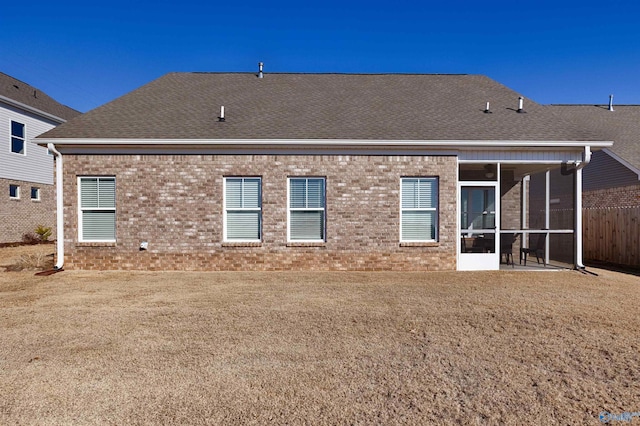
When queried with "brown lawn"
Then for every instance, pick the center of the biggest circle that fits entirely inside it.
(91, 348)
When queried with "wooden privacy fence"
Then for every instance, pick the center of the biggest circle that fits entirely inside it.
(612, 235)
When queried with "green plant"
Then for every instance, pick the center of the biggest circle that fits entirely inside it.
(43, 232)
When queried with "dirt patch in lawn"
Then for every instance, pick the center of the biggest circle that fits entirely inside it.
(318, 348)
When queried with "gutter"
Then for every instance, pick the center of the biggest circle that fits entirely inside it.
(578, 209)
(59, 209)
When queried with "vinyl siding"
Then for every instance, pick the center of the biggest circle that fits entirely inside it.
(605, 172)
(37, 165)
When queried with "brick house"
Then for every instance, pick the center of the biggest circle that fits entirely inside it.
(241, 171)
(27, 194)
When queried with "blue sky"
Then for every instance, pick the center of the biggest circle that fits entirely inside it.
(85, 54)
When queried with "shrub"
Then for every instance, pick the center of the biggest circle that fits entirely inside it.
(32, 261)
(30, 238)
(43, 232)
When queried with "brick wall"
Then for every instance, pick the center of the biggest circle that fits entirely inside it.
(175, 203)
(625, 196)
(511, 206)
(23, 215)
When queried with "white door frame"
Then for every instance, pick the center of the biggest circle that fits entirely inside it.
(479, 261)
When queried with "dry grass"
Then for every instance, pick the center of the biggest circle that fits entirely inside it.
(332, 348)
(27, 257)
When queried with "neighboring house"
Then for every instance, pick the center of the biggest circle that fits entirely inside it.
(611, 184)
(27, 194)
(238, 171)
(612, 179)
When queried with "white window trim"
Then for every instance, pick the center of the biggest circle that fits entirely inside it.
(315, 209)
(37, 192)
(24, 139)
(246, 209)
(428, 209)
(17, 197)
(80, 210)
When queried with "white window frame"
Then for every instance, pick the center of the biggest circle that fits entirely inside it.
(23, 138)
(225, 209)
(322, 209)
(17, 197)
(37, 197)
(427, 209)
(82, 210)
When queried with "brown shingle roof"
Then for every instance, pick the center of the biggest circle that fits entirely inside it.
(622, 126)
(19, 91)
(321, 106)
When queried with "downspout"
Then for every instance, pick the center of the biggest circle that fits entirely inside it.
(59, 208)
(578, 210)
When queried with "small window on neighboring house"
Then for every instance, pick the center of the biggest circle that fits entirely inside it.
(17, 138)
(35, 193)
(97, 215)
(242, 209)
(14, 192)
(306, 208)
(419, 209)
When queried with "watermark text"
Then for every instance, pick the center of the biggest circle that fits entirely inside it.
(606, 417)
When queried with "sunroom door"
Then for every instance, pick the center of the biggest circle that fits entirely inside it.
(478, 235)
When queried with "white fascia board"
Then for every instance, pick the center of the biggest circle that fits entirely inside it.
(622, 161)
(333, 143)
(32, 110)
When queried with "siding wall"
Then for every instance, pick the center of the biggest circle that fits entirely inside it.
(605, 172)
(18, 217)
(175, 203)
(37, 165)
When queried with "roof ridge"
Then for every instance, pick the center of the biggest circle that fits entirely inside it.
(327, 73)
(22, 82)
(596, 105)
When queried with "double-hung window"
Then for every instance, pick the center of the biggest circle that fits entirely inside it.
(17, 138)
(97, 216)
(419, 209)
(306, 208)
(242, 209)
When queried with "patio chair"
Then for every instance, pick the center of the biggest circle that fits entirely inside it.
(506, 247)
(538, 250)
(477, 245)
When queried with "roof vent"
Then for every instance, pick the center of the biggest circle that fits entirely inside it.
(260, 74)
(611, 103)
(520, 104)
(486, 109)
(221, 117)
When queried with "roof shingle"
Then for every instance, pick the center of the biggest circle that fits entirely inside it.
(321, 106)
(26, 94)
(621, 126)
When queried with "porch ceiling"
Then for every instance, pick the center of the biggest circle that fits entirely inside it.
(519, 169)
